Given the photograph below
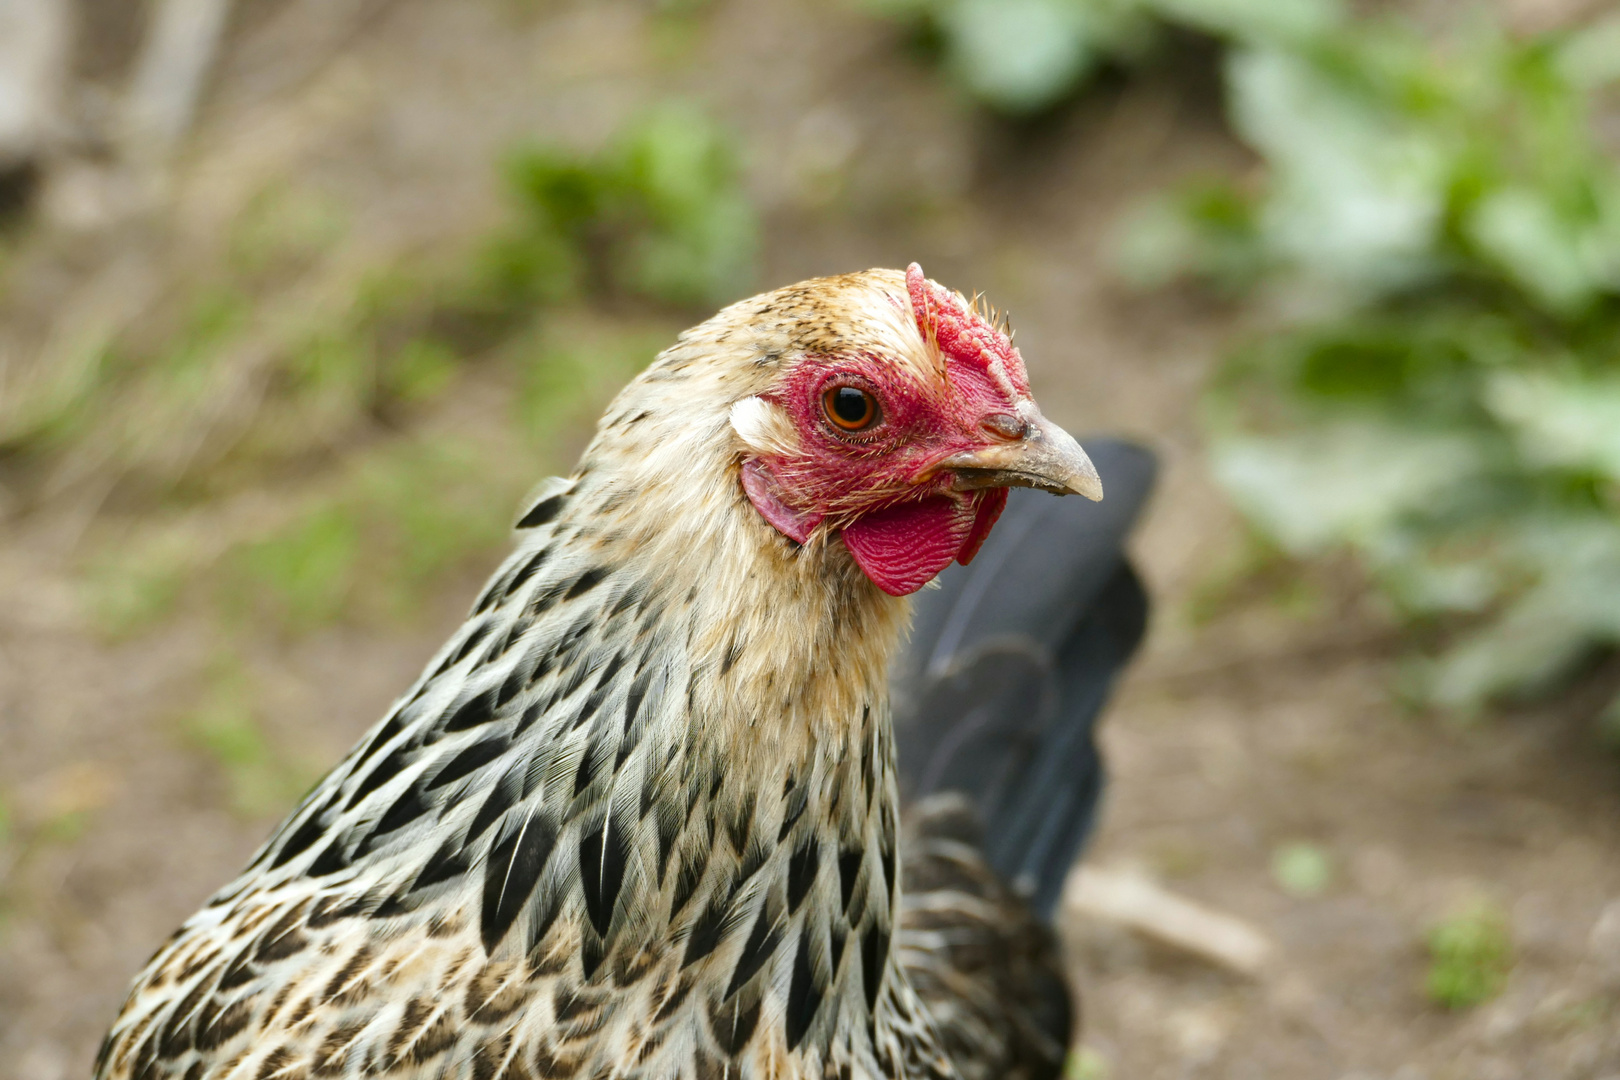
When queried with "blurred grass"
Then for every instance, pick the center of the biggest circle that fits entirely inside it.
(259, 777)
(286, 448)
(1470, 956)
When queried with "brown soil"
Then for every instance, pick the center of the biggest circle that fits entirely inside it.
(1260, 727)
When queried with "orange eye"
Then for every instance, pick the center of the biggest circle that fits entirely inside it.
(849, 407)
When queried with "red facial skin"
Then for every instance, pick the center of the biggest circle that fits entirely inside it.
(898, 516)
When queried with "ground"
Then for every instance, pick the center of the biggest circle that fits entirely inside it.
(1248, 724)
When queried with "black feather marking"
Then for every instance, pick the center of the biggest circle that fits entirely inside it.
(240, 971)
(635, 695)
(705, 935)
(849, 868)
(382, 772)
(519, 627)
(545, 598)
(472, 758)
(652, 783)
(394, 725)
(496, 587)
(394, 906)
(868, 757)
(577, 674)
(668, 829)
(534, 711)
(687, 881)
(804, 997)
(887, 853)
(406, 809)
(469, 713)
(306, 834)
(284, 938)
(511, 686)
(604, 687)
(630, 597)
(677, 996)
(627, 746)
(734, 651)
(501, 799)
(602, 857)
(591, 954)
(733, 1025)
(588, 761)
(544, 662)
(741, 822)
(542, 512)
(802, 868)
(510, 875)
(762, 942)
(545, 915)
(838, 939)
(450, 861)
(795, 810)
(329, 861)
(221, 1022)
(470, 642)
(587, 581)
(179, 1035)
(524, 573)
(874, 961)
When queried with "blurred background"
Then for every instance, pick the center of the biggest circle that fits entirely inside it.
(298, 297)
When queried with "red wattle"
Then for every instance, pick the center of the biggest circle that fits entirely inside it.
(990, 505)
(902, 547)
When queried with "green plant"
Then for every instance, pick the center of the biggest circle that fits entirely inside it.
(1435, 243)
(1301, 869)
(659, 213)
(1022, 56)
(283, 367)
(1470, 955)
(1085, 1063)
(259, 778)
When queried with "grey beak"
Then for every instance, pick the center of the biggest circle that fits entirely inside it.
(1046, 457)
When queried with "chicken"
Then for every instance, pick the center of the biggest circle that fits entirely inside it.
(640, 816)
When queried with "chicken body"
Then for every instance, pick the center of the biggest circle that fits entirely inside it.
(639, 816)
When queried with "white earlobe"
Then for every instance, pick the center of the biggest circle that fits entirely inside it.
(764, 427)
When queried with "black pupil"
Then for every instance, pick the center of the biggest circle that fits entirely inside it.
(850, 405)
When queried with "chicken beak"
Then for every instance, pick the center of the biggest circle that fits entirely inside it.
(1045, 457)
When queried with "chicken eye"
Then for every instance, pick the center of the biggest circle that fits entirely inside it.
(850, 407)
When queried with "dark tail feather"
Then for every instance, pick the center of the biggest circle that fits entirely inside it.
(1011, 661)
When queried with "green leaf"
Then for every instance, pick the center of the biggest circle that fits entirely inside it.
(1561, 420)
(1547, 255)
(1024, 55)
(1471, 954)
(1343, 482)
(1357, 195)
(1574, 569)
(1254, 21)
(1591, 57)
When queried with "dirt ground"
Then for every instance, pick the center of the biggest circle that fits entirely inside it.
(1265, 725)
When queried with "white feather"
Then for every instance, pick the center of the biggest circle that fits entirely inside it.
(764, 427)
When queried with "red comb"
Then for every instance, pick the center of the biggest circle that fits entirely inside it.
(959, 331)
